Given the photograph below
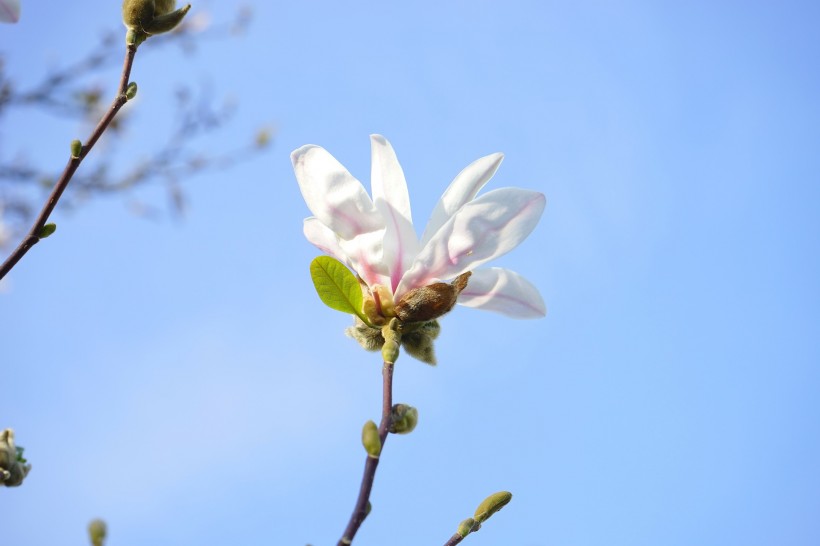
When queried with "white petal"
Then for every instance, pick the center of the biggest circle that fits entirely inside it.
(480, 231)
(365, 254)
(325, 239)
(463, 189)
(333, 195)
(9, 11)
(392, 200)
(503, 291)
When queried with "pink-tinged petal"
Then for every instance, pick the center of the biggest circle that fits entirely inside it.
(463, 189)
(9, 11)
(324, 239)
(364, 253)
(392, 200)
(333, 195)
(503, 291)
(480, 231)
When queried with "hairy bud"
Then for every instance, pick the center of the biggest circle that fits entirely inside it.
(404, 419)
(144, 18)
(431, 301)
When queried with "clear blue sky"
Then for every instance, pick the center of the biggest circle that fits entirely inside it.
(183, 381)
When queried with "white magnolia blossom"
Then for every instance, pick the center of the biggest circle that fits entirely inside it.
(376, 238)
(9, 11)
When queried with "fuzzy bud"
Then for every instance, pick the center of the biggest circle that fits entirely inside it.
(76, 148)
(13, 467)
(370, 439)
(369, 338)
(97, 531)
(144, 18)
(431, 301)
(491, 505)
(404, 419)
(466, 527)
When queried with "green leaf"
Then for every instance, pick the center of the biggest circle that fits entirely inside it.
(337, 287)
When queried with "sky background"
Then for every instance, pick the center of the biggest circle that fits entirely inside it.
(181, 379)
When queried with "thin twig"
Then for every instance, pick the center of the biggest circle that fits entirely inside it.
(33, 237)
(455, 539)
(360, 511)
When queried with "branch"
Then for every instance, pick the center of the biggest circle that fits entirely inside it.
(455, 539)
(360, 511)
(33, 236)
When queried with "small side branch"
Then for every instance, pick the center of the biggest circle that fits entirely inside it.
(360, 510)
(33, 236)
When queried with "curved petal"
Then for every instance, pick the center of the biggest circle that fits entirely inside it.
(463, 189)
(9, 11)
(480, 231)
(364, 253)
(333, 195)
(503, 291)
(323, 238)
(392, 200)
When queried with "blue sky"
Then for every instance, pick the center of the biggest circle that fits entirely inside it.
(181, 379)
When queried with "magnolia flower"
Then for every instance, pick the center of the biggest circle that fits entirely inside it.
(9, 11)
(375, 236)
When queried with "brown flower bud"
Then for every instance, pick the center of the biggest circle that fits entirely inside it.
(431, 301)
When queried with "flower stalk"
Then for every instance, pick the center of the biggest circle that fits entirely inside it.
(361, 510)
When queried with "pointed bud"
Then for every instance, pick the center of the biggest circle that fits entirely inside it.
(76, 148)
(491, 505)
(167, 22)
(403, 419)
(431, 301)
(131, 91)
(370, 439)
(392, 339)
(97, 530)
(465, 527)
(47, 230)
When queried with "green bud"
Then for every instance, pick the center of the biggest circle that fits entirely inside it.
(367, 510)
(392, 338)
(404, 419)
(76, 148)
(144, 18)
(131, 91)
(390, 351)
(491, 505)
(47, 230)
(167, 22)
(370, 439)
(465, 527)
(97, 530)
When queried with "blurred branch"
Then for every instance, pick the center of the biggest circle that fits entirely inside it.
(68, 93)
(77, 155)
